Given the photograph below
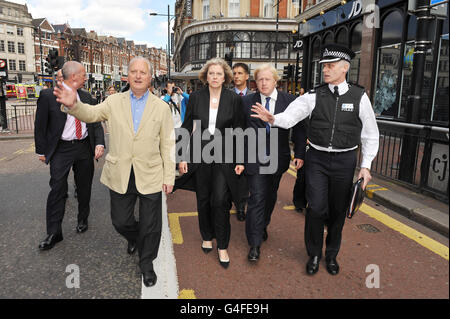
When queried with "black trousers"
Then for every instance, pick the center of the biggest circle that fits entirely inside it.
(67, 155)
(147, 232)
(299, 193)
(214, 202)
(239, 191)
(329, 178)
(263, 196)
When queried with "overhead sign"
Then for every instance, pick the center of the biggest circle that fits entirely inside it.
(188, 8)
(298, 45)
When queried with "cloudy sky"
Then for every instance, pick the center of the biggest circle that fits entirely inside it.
(119, 18)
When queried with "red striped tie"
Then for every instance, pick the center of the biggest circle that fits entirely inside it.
(78, 128)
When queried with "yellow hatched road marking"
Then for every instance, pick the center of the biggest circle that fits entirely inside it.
(407, 231)
(187, 294)
(175, 228)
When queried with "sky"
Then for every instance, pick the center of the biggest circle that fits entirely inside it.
(118, 18)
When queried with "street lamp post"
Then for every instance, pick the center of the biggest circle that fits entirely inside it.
(169, 17)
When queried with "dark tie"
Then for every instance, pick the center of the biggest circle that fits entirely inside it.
(241, 94)
(336, 91)
(268, 109)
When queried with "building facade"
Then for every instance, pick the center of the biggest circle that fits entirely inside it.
(382, 33)
(16, 41)
(247, 29)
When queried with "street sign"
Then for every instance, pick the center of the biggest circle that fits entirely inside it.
(436, 2)
(298, 45)
(3, 68)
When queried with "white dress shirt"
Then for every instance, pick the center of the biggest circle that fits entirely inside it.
(303, 106)
(69, 132)
(273, 101)
(212, 120)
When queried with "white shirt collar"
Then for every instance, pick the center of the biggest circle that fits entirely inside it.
(273, 96)
(342, 87)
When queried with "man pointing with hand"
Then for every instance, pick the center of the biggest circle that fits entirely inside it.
(340, 119)
(140, 162)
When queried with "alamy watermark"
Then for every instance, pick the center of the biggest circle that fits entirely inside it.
(247, 146)
(73, 280)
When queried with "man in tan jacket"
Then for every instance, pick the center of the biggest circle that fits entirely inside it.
(140, 162)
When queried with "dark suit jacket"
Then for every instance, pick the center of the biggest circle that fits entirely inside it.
(230, 115)
(284, 152)
(50, 121)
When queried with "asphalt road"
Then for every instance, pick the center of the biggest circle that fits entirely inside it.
(406, 268)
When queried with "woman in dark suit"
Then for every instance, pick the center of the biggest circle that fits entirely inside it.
(213, 108)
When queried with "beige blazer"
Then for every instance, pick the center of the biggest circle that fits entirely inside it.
(151, 150)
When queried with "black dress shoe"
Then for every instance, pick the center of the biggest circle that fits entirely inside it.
(253, 254)
(313, 265)
(149, 278)
(223, 263)
(206, 249)
(332, 266)
(82, 226)
(299, 209)
(240, 215)
(50, 241)
(131, 247)
(265, 234)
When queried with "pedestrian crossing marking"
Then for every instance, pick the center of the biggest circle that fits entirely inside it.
(407, 231)
(175, 227)
(187, 294)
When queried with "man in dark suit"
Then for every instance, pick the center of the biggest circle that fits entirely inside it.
(264, 187)
(241, 74)
(65, 142)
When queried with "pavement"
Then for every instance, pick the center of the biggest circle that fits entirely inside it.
(423, 209)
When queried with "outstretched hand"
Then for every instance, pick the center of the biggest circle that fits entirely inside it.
(262, 113)
(65, 96)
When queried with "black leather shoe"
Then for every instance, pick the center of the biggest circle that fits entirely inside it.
(223, 263)
(332, 266)
(253, 254)
(131, 249)
(313, 265)
(82, 226)
(299, 209)
(50, 241)
(240, 215)
(265, 234)
(149, 278)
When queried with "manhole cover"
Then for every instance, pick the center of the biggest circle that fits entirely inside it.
(368, 228)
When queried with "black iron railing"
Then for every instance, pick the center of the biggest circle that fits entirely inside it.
(20, 118)
(415, 155)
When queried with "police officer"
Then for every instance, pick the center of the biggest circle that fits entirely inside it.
(341, 118)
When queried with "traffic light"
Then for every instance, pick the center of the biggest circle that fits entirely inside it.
(288, 71)
(47, 68)
(53, 61)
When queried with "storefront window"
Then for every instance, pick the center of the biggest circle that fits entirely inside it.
(203, 52)
(353, 74)
(315, 62)
(441, 98)
(342, 37)
(242, 49)
(389, 55)
(261, 46)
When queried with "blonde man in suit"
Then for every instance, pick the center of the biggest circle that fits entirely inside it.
(140, 162)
